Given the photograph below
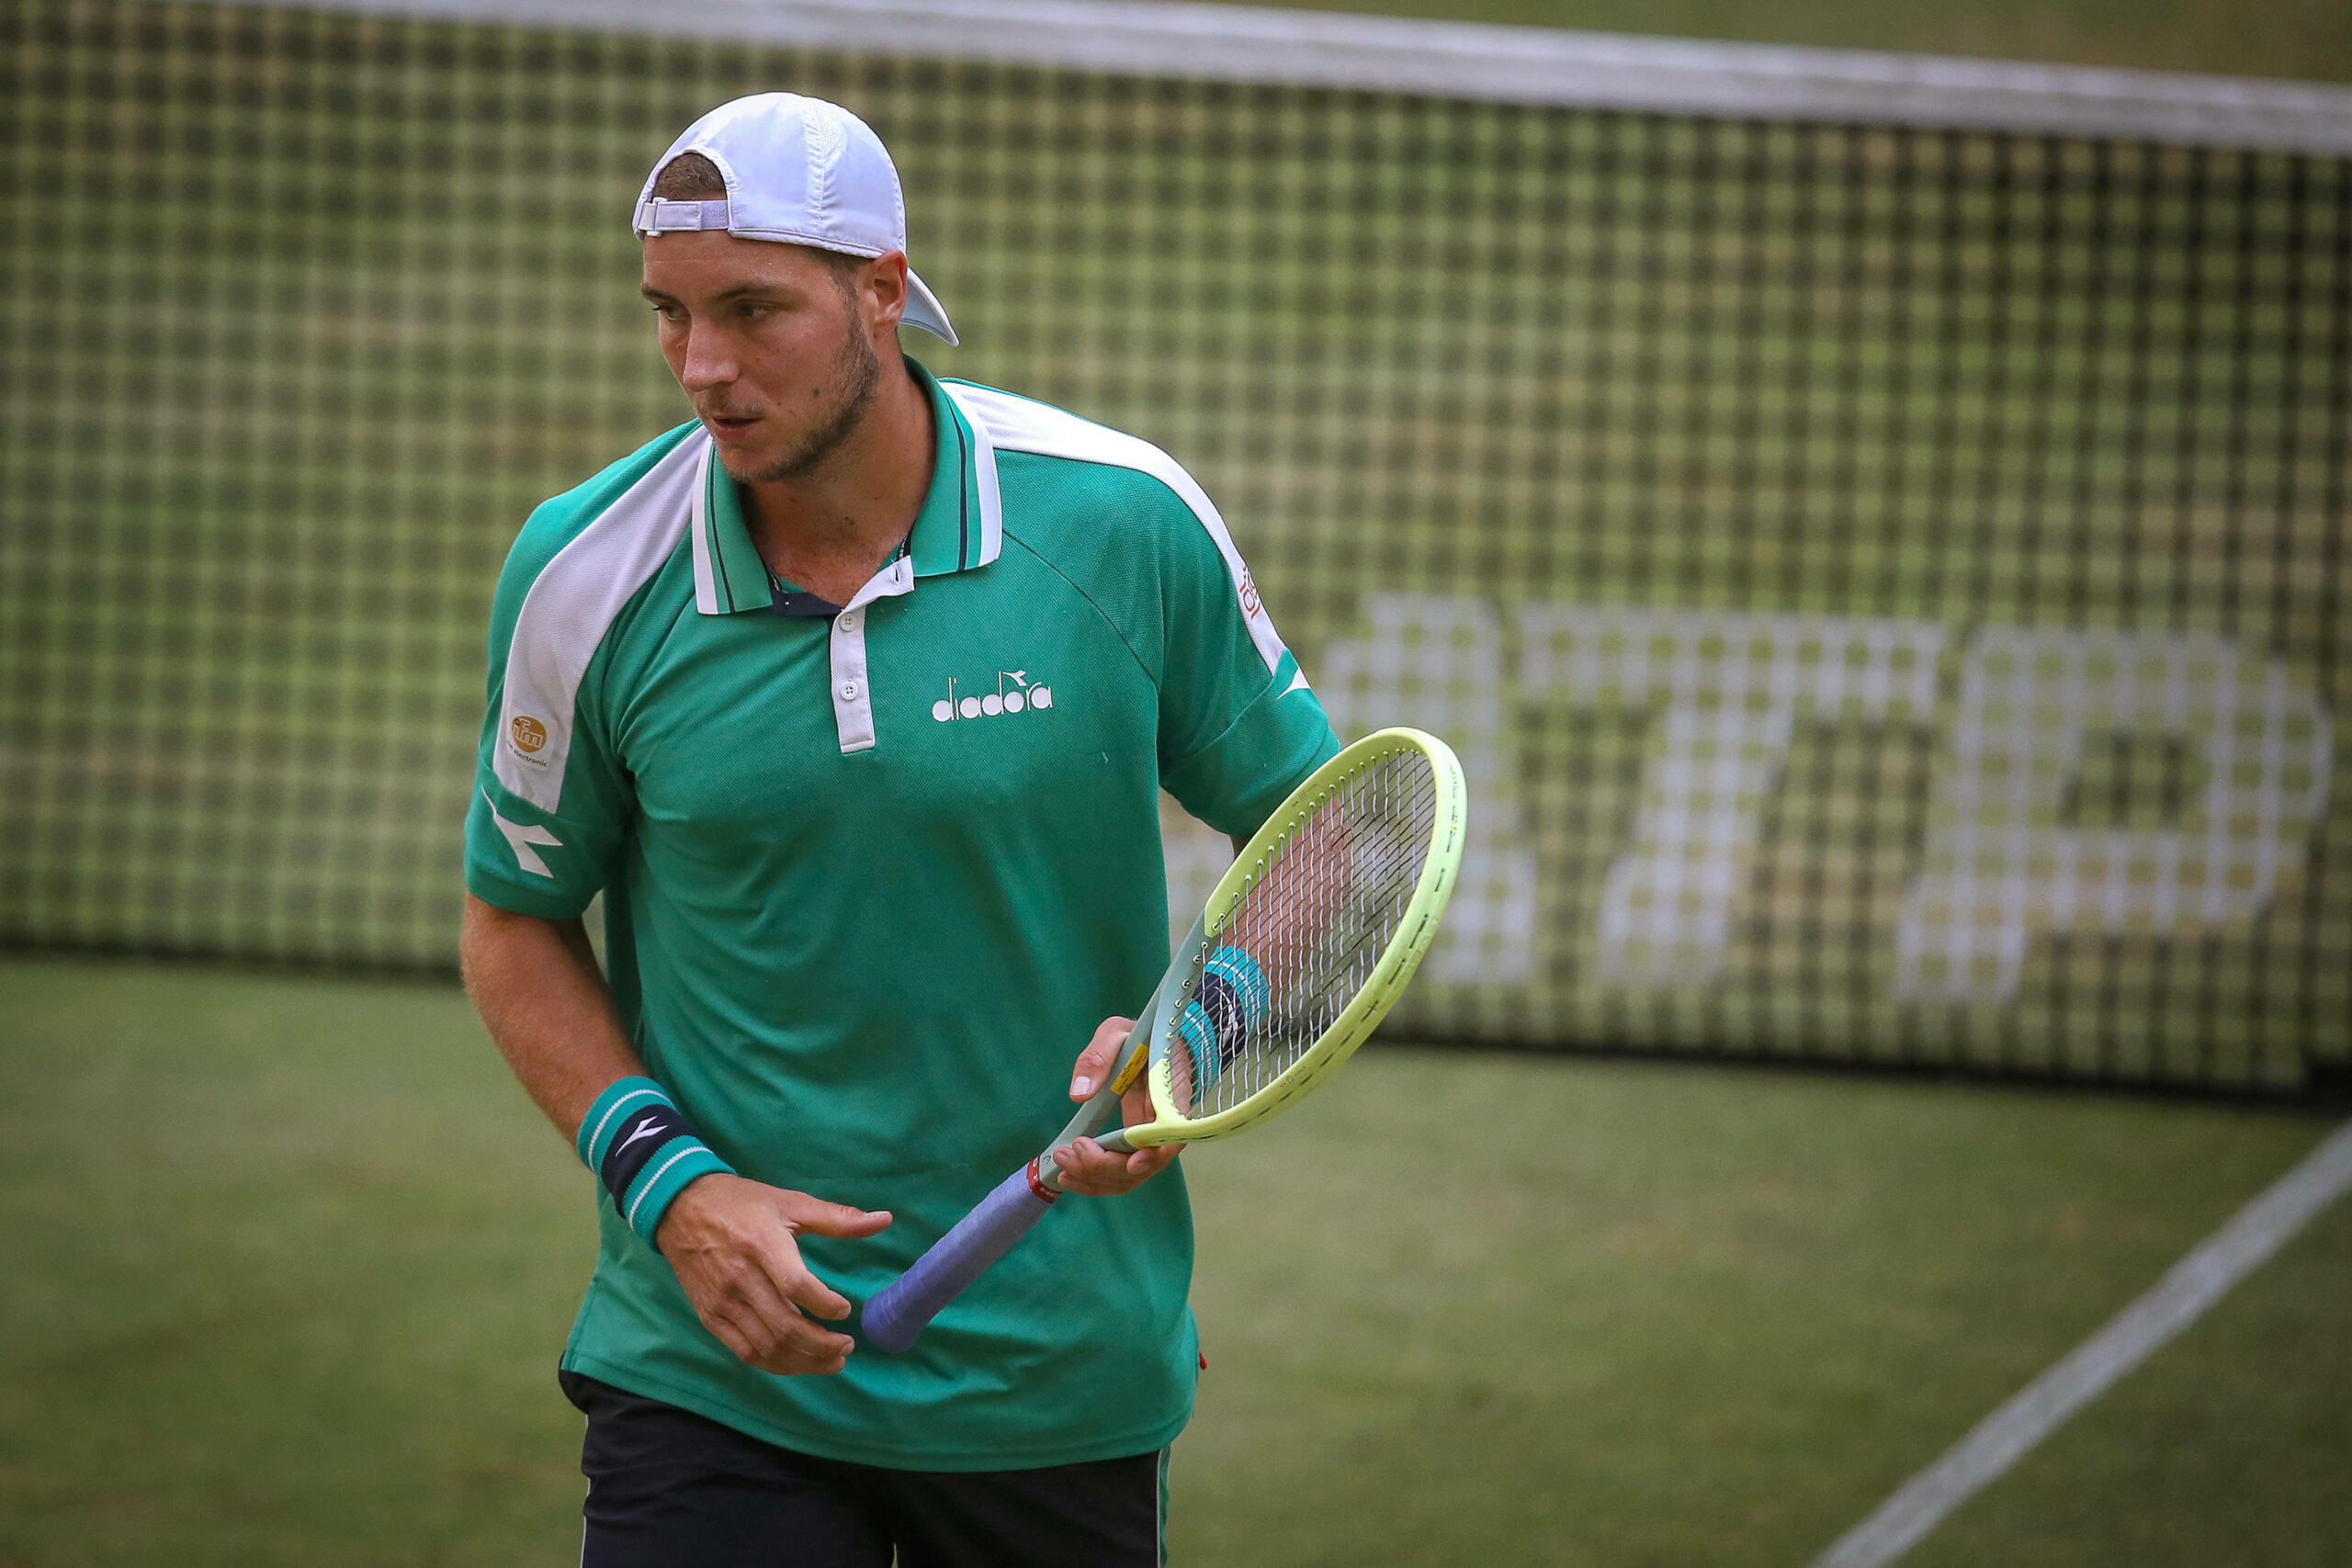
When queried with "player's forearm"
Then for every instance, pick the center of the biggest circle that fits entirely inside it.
(538, 990)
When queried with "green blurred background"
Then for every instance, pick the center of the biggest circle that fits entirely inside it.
(291, 1257)
(303, 313)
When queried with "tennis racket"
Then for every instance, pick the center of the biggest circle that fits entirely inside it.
(1308, 941)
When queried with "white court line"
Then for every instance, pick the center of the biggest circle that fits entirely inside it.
(2195, 1283)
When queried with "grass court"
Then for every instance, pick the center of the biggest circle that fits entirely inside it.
(291, 1259)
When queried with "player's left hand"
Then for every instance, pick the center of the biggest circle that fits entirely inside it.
(1087, 1167)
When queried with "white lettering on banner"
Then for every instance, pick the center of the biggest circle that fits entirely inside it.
(1436, 662)
(2001, 867)
(1727, 692)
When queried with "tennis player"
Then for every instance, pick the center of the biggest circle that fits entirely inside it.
(854, 697)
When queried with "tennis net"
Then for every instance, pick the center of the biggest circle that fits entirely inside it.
(1873, 530)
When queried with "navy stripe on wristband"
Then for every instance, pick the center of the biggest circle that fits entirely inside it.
(645, 1151)
(637, 1138)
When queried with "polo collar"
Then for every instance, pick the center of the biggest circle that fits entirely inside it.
(961, 525)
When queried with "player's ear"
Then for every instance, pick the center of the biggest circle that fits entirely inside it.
(882, 290)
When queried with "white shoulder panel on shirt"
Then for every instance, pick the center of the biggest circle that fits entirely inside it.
(568, 609)
(1018, 425)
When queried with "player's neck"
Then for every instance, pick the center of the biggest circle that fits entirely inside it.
(832, 528)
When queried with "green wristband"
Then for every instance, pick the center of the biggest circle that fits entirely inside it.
(644, 1150)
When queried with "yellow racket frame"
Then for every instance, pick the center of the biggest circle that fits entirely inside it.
(1148, 1047)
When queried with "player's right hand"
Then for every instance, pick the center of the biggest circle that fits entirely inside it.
(732, 1243)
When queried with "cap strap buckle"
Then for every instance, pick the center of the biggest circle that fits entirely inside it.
(662, 216)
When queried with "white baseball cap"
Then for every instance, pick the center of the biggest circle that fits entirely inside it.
(800, 172)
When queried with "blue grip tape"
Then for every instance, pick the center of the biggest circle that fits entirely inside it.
(895, 1319)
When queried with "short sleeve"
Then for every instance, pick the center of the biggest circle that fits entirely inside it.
(1240, 727)
(539, 839)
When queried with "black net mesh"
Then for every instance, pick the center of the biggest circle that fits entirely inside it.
(1882, 583)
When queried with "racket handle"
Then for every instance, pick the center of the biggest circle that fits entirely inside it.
(907, 1305)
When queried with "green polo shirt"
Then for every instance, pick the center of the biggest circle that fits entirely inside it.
(871, 882)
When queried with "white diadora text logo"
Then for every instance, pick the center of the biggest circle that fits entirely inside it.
(1015, 692)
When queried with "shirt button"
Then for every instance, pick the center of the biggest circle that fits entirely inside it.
(848, 621)
(849, 690)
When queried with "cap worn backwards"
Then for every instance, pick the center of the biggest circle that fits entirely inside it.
(799, 172)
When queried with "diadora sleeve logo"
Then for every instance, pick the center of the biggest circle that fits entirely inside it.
(520, 836)
(1024, 695)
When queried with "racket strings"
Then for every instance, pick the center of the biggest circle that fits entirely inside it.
(1313, 923)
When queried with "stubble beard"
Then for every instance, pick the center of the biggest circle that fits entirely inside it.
(857, 372)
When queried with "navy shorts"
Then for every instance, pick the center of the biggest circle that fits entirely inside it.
(668, 1488)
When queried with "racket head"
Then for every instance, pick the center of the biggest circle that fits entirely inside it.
(1342, 889)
